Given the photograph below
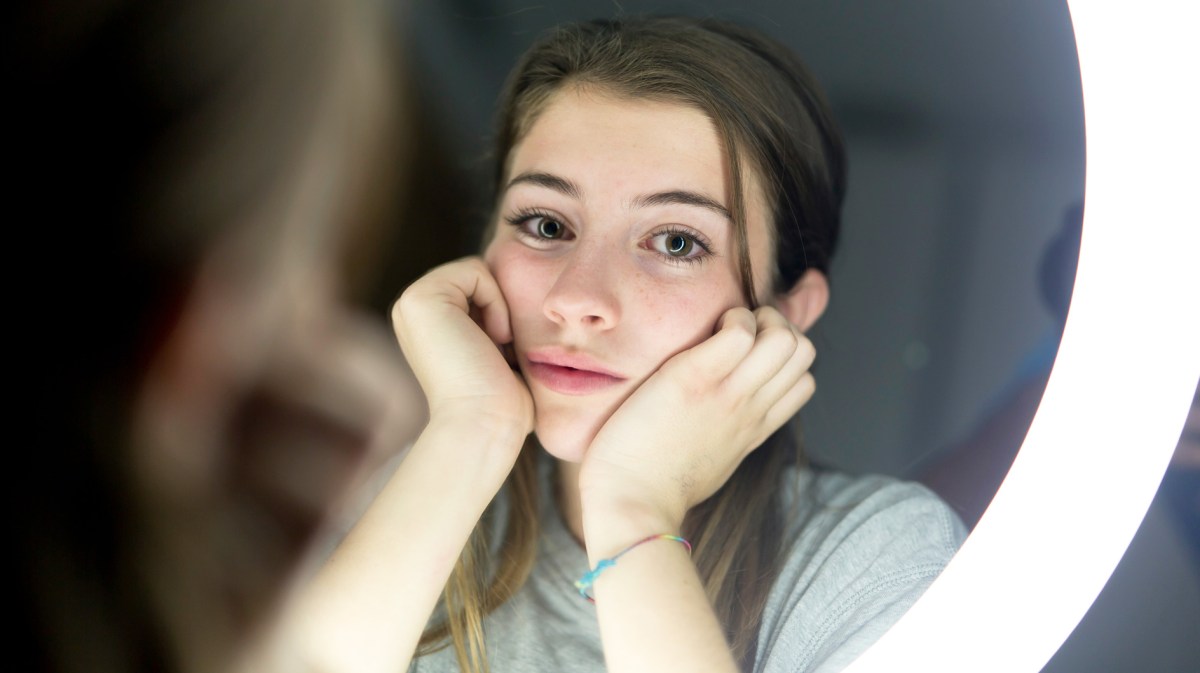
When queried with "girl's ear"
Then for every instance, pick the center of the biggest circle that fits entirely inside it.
(806, 301)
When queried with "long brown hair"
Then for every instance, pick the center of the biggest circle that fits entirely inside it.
(767, 110)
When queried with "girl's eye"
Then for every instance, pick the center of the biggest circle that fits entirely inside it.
(538, 228)
(680, 246)
(548, 228)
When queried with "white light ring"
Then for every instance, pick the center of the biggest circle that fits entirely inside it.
(1122, 383)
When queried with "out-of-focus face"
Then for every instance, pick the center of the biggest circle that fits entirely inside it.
(269, 397)
(615, 251)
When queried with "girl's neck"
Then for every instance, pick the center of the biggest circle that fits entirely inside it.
(567, 495)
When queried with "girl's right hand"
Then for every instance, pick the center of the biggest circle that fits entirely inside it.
(451, 325)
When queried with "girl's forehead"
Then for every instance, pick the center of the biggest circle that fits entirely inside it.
(589, 117)
(613, 140)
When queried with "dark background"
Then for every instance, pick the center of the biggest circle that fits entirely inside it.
(964, 126)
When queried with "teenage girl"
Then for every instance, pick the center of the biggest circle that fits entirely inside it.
(667, 199)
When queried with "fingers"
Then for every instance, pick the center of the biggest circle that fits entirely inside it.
(452, 325)
(759, 355)
(775, 374)
(486, 296)
(467, 285)
(779, 356)
(790, 402)
(785, 376)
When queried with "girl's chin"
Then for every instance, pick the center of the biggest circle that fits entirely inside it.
(567, 442)
(566, 428)
(569, 451)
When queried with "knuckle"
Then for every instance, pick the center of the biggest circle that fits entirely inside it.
(805, 348)
(404, 304)
(744, 336)
(474, 263)
(770, 317)
(398, 309)
(780, 337)
(808, 344)
(735, 336)
(744, 329)
(808, 384)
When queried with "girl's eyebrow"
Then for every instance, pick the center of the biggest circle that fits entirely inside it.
(570, 189)
(561, 185)
(681, 197)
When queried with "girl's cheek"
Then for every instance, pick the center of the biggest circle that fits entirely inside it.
(496, 263)
(686, 318)
(501, 258)
(521, 281)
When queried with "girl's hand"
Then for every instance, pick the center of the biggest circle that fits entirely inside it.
(451, 325)
(683, 432)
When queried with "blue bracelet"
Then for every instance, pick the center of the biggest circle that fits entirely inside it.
(584, 584)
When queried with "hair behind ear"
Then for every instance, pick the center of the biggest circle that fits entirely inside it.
(805, 302)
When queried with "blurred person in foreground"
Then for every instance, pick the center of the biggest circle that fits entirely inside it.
(200, 187)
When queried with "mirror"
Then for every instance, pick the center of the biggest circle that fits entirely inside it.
(966, 148)
(964, 125)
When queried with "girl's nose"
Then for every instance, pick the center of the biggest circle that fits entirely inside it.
(584, 296)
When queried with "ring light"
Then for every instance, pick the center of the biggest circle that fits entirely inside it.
(1122, 383)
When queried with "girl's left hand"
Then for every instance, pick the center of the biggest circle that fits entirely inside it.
(680, 436)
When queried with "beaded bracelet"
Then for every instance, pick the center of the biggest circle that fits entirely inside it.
(584, 584)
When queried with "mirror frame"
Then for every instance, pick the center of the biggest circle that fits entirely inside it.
(1112, 412)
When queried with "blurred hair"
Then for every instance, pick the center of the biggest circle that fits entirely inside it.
(146, 133)
(768, 110)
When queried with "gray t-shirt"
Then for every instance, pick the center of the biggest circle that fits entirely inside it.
(864, 549)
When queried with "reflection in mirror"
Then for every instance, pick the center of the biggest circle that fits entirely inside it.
(963, 124)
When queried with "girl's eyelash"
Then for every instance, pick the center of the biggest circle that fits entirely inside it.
(518, 219)
(525, 214)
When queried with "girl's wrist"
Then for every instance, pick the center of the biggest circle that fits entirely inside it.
(479, 451)
(611, 523)
(496, 428)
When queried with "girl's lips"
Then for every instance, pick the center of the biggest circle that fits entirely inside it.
(568, 380)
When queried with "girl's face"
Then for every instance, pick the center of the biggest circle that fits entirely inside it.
(615, 251)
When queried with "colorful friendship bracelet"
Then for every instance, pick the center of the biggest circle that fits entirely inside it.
(584, 584)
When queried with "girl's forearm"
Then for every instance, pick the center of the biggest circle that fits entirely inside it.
(366, 608)
(651, 605)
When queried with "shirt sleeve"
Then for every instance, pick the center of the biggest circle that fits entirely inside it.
(864, 551)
